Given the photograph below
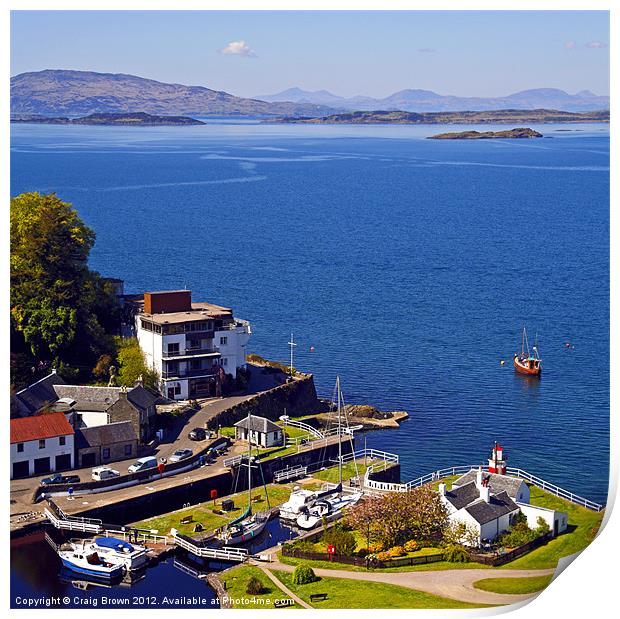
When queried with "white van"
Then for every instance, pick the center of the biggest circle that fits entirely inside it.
(104, 472)
(143, 464)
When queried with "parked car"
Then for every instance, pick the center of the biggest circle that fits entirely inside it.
(104, 472)
(197, 434)
(60, 479)
(143, 464)
(181, 454)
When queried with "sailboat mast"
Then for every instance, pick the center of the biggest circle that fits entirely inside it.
(249, 460)
(339, 430)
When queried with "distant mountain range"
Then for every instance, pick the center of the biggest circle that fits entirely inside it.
(58, 92)
(412, 100)
(79, 93)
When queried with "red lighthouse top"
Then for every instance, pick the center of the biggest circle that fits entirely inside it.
(497, 464)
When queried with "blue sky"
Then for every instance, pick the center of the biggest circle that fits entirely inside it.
(348, 53)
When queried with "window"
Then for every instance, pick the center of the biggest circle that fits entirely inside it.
(105, 453)
(147, 326)
(128, 450)
(62, 440)
(177, 389)
(173, 349)
(41, 443)
(225, 360)
(224, 340)
(20, 447)
(195, 364)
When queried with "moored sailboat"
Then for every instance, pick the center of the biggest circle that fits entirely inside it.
(249, 525)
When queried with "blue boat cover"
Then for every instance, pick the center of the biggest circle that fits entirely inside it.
(115, 543)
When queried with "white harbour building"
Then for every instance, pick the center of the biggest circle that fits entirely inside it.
(190, 345)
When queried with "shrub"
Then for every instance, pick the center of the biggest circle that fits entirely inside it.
(411, 545)
(377, 547)
(255, 586)
(456, 554)
(304, 546)
(303, 574)
(362, 552)
(396, 551)
(344, 542)
(383, 556)
(542, 527)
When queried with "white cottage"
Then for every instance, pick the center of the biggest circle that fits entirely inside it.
(261, 431)
(488, 502)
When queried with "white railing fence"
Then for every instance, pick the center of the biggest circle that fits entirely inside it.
(460, 470)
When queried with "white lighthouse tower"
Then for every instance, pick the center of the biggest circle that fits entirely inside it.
(497, 463)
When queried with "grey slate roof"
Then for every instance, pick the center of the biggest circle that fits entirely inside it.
(36, 396)
(259, 424)
(141, 397)
(460, 497)
(497, 483)
(121, 432)
(499, 505)
(91, 398)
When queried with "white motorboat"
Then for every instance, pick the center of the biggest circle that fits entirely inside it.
(298, 502)
(83, 559)
(132, 556)
(330, 504)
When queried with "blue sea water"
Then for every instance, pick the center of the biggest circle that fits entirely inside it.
(409, 265)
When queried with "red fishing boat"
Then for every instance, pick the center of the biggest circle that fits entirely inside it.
(527, 363)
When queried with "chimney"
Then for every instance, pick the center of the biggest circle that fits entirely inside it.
(479, 478)
(442, 489)
(122, 394)
(140, 381)
(485, 491)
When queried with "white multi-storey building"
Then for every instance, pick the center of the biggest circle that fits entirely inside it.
(190, 345)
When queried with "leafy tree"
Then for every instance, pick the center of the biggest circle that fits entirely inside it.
(461, 533)
(343, 541)
(60, 309)
(396, 517)
(132, 364)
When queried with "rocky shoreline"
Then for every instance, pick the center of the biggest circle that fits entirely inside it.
(518, 133)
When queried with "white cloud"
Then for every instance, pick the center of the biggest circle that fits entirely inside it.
(238, 48)
(596, 45)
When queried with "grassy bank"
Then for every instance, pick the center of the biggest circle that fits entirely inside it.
(236, 583)
(346, 593)
(531, 584)
(203, 512)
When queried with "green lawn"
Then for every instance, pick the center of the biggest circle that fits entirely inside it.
(348, 470)
(203, 512)
(530, 584)
(345, 593)
(236, 582)
(583, 525)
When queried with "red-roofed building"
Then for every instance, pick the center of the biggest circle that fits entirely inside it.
(41, 444)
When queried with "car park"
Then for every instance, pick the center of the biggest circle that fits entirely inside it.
(104, 472)
(58, 478)
(143, 464)
(181, 454)
(197, 434)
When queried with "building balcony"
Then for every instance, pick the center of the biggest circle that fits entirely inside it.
(180, 374)
(189, 353)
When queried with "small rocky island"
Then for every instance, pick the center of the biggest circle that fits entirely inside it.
(133, 119)
(520, 132)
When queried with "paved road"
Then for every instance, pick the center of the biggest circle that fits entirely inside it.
(455, 584)
(22, 489)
